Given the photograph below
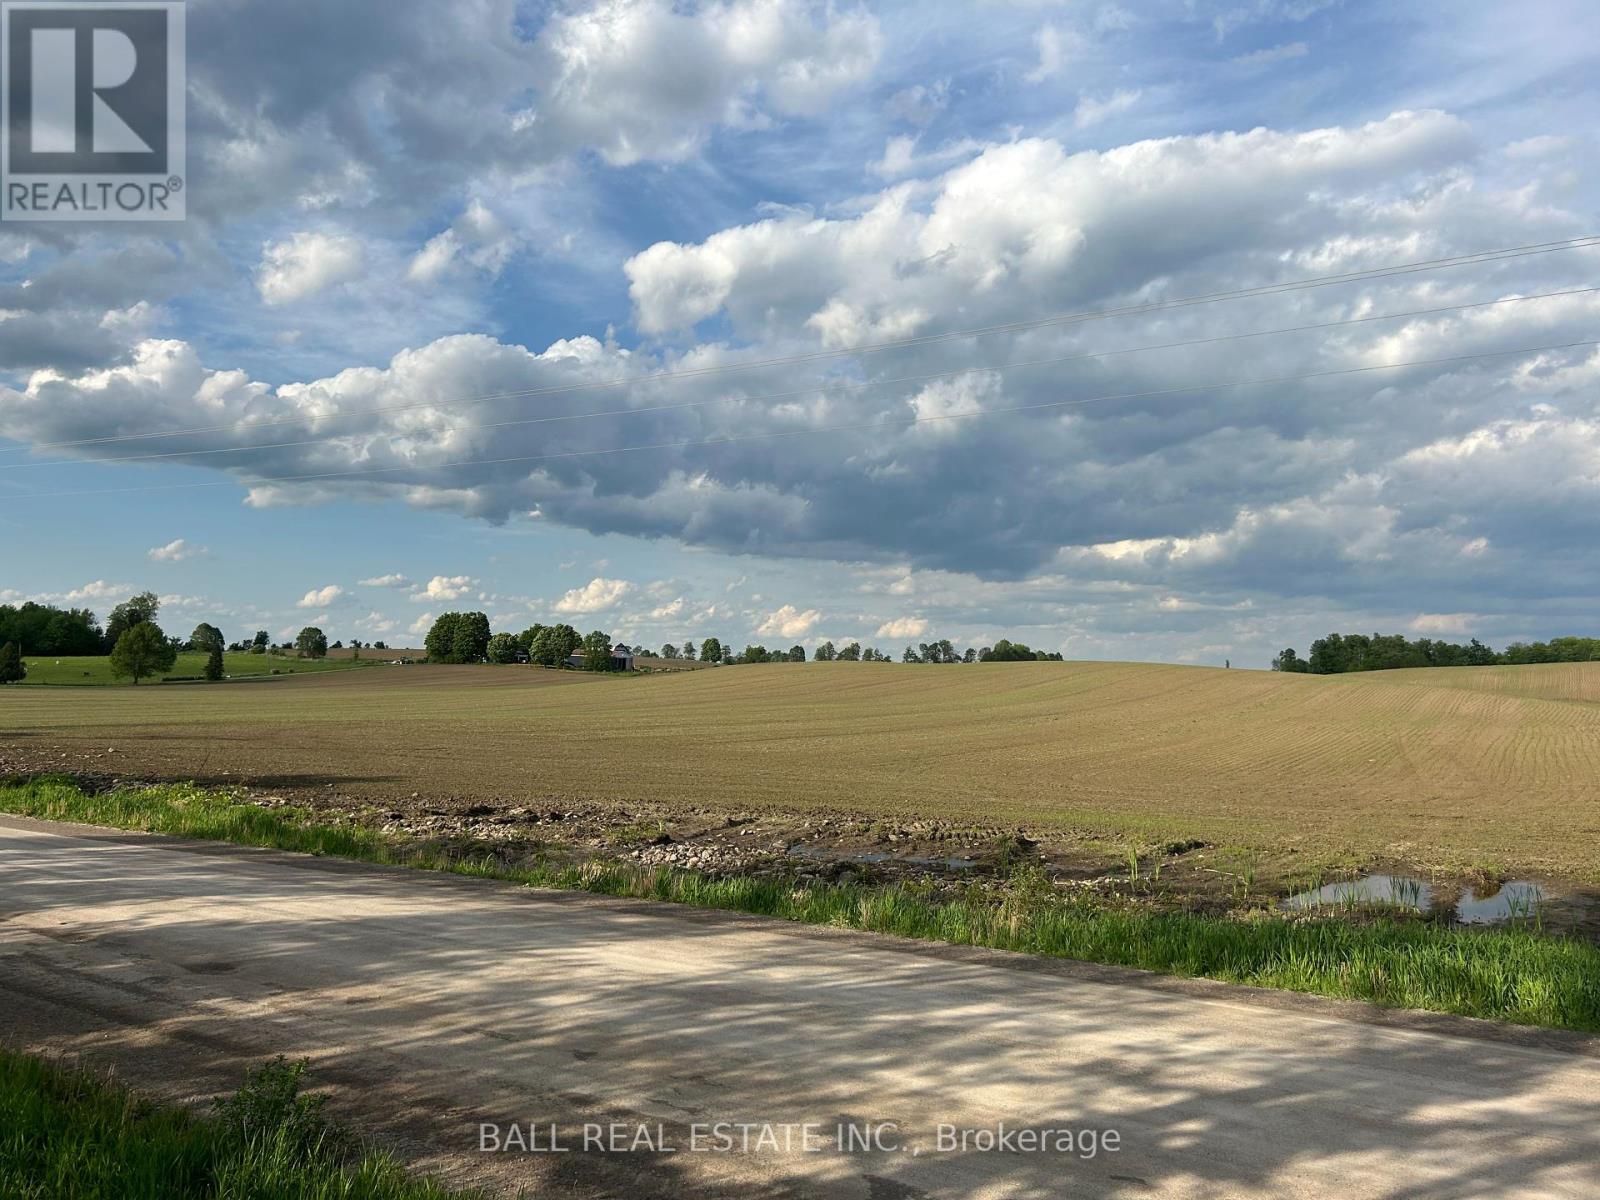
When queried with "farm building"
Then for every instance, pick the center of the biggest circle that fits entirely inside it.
(621, 658)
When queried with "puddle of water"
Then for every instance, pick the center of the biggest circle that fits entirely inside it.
(824, 854)
(1399, 891)
(1518, 899)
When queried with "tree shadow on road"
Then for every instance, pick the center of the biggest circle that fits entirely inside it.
(434, 1003)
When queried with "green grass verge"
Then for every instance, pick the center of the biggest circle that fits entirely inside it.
(95, 670)
(1515, 974)
(71, 1135)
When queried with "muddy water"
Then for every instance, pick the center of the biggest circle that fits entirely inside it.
(1517, 899)
(1399, 891)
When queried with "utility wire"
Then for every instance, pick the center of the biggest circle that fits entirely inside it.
(1375, 273)
(890, 423)
(839, 385)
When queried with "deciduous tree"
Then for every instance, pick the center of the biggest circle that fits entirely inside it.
(597, 652)
(554, 645)
(206, 637)
(142, 650)
(471, 641)
(134, 611)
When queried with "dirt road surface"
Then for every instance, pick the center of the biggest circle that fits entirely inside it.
(432, 1005)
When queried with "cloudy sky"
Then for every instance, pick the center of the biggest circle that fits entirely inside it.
(477, 306)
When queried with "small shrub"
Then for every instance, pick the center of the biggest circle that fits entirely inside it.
(269, 1109)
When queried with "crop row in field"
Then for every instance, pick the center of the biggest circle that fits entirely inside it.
(1459, 766)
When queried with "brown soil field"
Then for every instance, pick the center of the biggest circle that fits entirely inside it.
(1492, 768)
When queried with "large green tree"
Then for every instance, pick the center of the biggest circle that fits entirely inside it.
(205, 637)
(597, 652)
(527, 637)
(441, 640)
(142, 650)
(312, 643)
(1007, 651)
(1288, 660)
(134, 611)
(470, 642)
(554, 644)
(711, 650)
(214, 664)
(503, 648)
(458, 637)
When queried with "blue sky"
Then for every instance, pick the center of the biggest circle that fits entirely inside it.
(399, 207)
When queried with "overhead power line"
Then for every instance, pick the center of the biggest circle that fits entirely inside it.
(1319, 281)
(772, 435)
(838, 385)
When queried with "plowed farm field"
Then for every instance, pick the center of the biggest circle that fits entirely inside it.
(1496, 765)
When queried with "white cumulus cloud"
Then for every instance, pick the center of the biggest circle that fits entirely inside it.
(444, 587)
(306, 263)
(643, 78)
(478, 240)
(789, 622)
(99, 590)
(320, 597)
(176, 550)
(595, 596)
(1443, 623)
(903, 627)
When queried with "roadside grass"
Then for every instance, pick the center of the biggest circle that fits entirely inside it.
(94, 670)
(68, 1134)
(1508, 974)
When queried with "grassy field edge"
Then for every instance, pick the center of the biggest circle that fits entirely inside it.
(94, 670)
(1512, 975)
(70, 1134)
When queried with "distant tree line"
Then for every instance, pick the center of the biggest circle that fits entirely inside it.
(465, 637)
(1338, 653)
(136, 644)
(43, 629)
(455, 637)
(941, 651)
